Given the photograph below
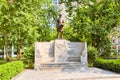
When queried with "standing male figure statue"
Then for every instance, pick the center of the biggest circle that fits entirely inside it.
(60, 22)
(60, 25)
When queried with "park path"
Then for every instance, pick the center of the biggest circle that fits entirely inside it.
(68, 74)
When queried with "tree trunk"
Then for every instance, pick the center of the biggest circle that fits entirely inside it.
(19, 50)
(6, 47)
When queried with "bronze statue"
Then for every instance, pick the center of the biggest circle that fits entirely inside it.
(60, 23)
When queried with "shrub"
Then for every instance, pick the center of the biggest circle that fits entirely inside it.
(10, 69)
(29, 57)
(112, 65)
(92, 54)
(106, 49)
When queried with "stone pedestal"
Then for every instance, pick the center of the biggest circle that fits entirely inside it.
(60, 49)
(60, 52)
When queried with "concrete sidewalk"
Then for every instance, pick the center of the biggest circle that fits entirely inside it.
(68, 74)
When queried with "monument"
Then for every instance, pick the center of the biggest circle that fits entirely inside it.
(60, 53)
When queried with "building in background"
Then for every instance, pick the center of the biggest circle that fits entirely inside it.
(116, 44)
(115, 39)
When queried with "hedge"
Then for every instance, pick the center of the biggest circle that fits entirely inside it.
(10, 69)
(112, 65)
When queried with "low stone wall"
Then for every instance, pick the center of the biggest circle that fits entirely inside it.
(60, 50)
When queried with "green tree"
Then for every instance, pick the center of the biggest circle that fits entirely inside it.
(24, 22)
(18, 23)
(5, 25)
(93, 21)
(47, 17)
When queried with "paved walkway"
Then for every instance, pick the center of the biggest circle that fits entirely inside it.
(68, 74)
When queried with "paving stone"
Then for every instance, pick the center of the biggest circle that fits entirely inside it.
(68, 74)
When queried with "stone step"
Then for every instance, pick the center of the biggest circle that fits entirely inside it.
(50, 69)
(59, 65)
(56, 66)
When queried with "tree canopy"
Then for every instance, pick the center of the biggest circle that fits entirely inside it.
(93, 22)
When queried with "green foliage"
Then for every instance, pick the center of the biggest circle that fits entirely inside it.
(47, 18)
(92, 54)
(28, 57)
(112, 65)
(2, 61)
(9, 70)
(24, 22)
(112, 55)
(92, 23)
(29, 52)
(105, 49)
